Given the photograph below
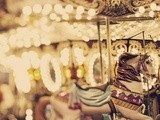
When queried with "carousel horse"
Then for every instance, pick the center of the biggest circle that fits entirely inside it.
(124, 96)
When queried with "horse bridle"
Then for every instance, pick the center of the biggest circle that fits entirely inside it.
(141, 63)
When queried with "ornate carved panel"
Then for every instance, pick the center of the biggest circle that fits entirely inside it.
(113, 8)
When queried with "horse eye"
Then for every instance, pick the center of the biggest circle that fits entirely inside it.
(147, 62)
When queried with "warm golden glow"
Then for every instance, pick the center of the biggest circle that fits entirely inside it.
(58, 8)
(78, 16)
(67, 73)
(80, 9)
(80, 72)
(47, 9)
(52, 16)
(151, 14)
(69, 8)
(78, 53)
(51, 85)
(58, 19)
(153, 6)
(141, 9)
(27, 10)
(91, 12)
(65, 16)
(37, 75)
(64, 56)
(37, 8)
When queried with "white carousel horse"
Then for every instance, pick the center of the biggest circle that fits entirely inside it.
(124, 96)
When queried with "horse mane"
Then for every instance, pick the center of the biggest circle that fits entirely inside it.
(126, 56)
(127, 72)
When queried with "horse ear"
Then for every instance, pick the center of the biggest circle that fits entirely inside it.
(146, 53)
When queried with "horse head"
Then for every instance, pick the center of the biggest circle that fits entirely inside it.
(146, 66)
(135, 69)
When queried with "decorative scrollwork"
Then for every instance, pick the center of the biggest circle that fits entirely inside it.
(151, 46)
(117, 46)
(135, 47)
(113, 8)
(138, 3)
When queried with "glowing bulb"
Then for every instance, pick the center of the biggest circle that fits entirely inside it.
(37, 8)
(65, 16)
(58, 19)
(27, 10)
(52, 16)
(79, 73)
(151, 14)
(47, 9)
(78, 16)
(58, 8)
(153, 6)
(48, 6)
(27, 44)
(158, 8)
(141, 9)
(89, 17)
(37, 43)
(67, 73)
(113, 39)
(154, 39)
(91, 12)
(29, 112)
(80, 9)
(69, 8)
(19, 44)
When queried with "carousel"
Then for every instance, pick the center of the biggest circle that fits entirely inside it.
(80, 60)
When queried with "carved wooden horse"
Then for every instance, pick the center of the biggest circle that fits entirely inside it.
(124, 96)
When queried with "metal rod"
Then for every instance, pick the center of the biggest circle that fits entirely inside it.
(148, 96)
(148, 100)
(71, 51)
(100, 50)
(144, 43)
(134, 39)
(136, 35)
(108, 40)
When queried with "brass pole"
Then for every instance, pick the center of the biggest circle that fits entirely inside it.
(108, 40)
(148, 96)
(100, 50)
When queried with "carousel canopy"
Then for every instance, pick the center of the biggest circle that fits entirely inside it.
(61, 20)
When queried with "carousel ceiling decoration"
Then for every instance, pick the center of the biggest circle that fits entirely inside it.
(115, 8)
(44, 24)
(112, 8)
